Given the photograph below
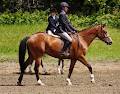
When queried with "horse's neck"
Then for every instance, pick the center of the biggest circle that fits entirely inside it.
(88, 36)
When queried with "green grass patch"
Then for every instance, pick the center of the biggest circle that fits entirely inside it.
(11, 35)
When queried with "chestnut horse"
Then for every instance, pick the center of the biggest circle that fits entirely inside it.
(40, 43)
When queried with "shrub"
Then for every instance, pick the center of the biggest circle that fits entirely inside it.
(41, 16)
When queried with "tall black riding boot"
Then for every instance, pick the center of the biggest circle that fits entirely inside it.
(66, 48)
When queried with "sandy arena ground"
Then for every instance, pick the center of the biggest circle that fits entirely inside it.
(107, 76)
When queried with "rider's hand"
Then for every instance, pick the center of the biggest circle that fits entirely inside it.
(76, 31)
(73, 32)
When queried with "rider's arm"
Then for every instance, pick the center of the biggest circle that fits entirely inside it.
(70, 25)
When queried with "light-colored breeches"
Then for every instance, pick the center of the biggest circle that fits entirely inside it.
(64, 35)
(50, 33)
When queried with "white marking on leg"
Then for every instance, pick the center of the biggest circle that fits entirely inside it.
(69, 81)
(40, 82)
(59, 70)
(92, 78)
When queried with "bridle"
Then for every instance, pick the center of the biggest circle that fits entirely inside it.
(102, 35)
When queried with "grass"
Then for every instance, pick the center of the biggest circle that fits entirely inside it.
(11, 35)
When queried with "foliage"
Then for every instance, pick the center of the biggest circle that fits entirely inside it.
(86, 7)
(23, 18)
(108, 19)
(38, 17)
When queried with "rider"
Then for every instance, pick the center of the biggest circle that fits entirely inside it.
(65, 27)
(52, 22)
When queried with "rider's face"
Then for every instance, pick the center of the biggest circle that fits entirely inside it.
(66, 9)
(53, 13)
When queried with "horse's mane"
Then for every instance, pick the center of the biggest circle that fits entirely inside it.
(89, 28)
(39, 32)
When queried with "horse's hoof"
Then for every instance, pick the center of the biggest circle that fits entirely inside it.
(62, 72)
(93, 81)
(19, 84)
(46, 73)
(41, 83)
(69, 82)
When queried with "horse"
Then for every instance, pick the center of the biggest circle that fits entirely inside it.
(40, 43)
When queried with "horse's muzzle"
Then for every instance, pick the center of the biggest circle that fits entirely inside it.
(108, 40)
(109, 43)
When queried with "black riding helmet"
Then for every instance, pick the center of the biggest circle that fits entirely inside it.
(64, 4)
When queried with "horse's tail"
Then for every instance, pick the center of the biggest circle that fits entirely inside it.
(22, 51)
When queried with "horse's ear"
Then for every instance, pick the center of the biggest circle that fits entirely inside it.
(103, 25)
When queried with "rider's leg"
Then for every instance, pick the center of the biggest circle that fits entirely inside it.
(67, 42)
(50, 33)
(64, 35)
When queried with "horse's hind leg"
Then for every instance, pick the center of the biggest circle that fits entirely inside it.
(60, 70)
(30, 67)
(83, 60)
(36, 68)
(43, 66)
(44, 69)
(28, 61)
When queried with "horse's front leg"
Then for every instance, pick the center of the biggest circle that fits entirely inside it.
(84, 61)
(72, 64)
(36, 68)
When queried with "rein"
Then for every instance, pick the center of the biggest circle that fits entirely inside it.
(76, 35)
(107, 37)
(78, 39)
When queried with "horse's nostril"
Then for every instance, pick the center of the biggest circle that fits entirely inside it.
(110, 43)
